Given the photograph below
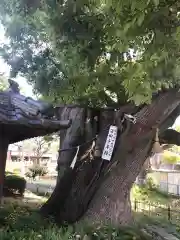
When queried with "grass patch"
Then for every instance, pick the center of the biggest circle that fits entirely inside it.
(24, 223)
(150, 195)
(153, 196)
(162, 222)
(151, 204)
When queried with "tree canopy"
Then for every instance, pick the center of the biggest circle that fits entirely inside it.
(172, 155)
(3, 83)
(39, 145)
(94, 52)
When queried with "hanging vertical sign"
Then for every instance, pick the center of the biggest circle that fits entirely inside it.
(74, 159)
(110, 143)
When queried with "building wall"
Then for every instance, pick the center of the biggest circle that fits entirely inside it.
(18, 163)
(167, 181)
(157, 163)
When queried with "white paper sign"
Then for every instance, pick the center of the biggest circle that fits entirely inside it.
(110, 143)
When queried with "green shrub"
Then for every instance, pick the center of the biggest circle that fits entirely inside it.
(17, 171)
(14, 184)
(35, 171)
(9, 173)
(150, 184)
(24, 219)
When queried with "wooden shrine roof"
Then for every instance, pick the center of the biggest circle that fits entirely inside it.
(22, 117)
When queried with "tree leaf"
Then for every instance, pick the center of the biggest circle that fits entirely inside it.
(140, 19)
(156, 2)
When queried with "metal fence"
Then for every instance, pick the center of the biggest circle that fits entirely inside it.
(168, 213)
(40, 189)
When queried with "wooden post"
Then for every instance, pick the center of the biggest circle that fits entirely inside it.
(135, 205)
(4, 143)
(169, 213)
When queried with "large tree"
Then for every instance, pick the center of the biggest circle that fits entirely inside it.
(106, 55)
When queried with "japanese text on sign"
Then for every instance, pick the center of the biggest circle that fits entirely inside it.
(110, 143)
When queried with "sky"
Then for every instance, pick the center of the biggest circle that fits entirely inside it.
(5, 69)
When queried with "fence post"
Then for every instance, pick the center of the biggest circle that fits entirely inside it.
(167, 187)
(37, 188)
(135, 205)
(169, 213)
(178, 190)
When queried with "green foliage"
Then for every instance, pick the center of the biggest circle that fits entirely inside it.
(3, 83)
(87, 52)
(149, 194)
(177, 128)
(35, 171)
(171, 158)
(16, 171)
(20, 223)
(109, 232)
(150, 184)
(13, 184)
(18, 218)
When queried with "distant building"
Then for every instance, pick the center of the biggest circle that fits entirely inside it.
(157, 162)
(18, 161)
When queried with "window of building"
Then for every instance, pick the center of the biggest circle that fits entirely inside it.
(26, 159)
(14, 159)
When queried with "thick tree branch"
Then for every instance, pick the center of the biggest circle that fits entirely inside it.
(170, 136)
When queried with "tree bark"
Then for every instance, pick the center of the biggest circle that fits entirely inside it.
(130, 155)
(99, 191)
(37, 161)
(141, 178)
(4, 143)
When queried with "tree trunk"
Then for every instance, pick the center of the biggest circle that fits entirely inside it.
(4, 143)
(97, 190)
(37, 161)
(141, 178)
